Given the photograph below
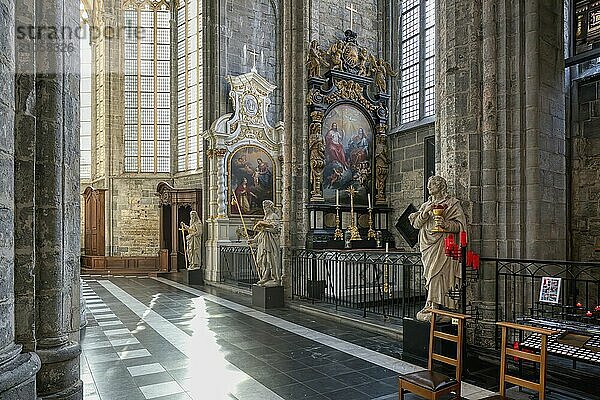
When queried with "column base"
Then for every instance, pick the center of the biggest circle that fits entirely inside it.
(58, 377)
(17, 377)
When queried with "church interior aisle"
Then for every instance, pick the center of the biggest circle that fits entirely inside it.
(149, 338)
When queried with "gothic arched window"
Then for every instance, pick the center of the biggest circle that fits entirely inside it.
(417, 60)
(147, 117)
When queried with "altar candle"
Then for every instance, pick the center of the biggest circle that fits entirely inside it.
(463, 238)
(387, 247)
(369, 198)
(337, 198)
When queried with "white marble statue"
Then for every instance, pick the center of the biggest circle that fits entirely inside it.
(193, 241)
(268, 257)
(441, 272)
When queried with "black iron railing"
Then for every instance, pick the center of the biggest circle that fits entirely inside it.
(237, 265)
(518, 285)
(389, 284)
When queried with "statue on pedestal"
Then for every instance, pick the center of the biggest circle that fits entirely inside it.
(268, 259)
(441, 273)
(193, 241)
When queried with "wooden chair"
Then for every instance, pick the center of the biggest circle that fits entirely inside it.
(505, 351)
(428, 383)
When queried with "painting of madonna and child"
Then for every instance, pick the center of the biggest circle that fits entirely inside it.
(348, 140)
(250, 180)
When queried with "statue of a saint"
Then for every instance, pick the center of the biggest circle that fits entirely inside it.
(268, 258)
(441, 273)
(193, 241)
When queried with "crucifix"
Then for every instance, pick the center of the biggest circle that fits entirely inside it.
(254, 54)
(352, 11)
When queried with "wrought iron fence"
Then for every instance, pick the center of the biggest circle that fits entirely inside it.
(518, 284)
(389, 284)
(237, 265)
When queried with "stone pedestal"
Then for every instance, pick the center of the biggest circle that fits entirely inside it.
(416, 338)
(193, 276)
(267, 297)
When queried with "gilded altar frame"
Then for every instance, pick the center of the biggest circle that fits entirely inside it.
(344, 74)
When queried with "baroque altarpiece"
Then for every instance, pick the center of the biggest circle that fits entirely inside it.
(348, 145)
(244, 160)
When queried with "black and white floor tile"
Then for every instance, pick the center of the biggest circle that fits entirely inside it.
(157, 339)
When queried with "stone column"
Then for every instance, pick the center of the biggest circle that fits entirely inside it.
(57, 206)
(295, 179)
(17, 370)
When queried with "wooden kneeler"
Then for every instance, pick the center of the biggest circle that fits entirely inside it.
(428, 383)
(541, 359)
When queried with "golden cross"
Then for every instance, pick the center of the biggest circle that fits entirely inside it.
(352, 191)
(352, 11)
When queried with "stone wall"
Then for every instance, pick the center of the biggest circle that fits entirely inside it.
(133, 217)
(330, 18)
(407, 169)
(585, 173)
(251, 26)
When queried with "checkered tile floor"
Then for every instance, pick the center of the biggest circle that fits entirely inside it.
(152, 339)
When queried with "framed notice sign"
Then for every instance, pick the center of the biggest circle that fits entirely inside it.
(550, 290)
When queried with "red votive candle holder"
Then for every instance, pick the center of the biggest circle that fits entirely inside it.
(475, 261)
(597, 308)
(578, 305)
(470, 258)
(463, 238)
(588, 314)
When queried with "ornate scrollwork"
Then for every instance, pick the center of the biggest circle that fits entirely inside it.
(382, 163)
(218, 153)
(349, 90)
(345, 55)
(316, 154)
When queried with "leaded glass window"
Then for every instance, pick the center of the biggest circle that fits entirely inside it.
(189, 85)
(147, 74)
(417, 60)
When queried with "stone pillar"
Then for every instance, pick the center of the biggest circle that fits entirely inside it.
(57, 206)
(295, 179)
(500, 132)
(17, 370)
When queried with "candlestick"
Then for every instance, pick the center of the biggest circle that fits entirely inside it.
(337, 198)
(371, 233)
(352, 228)
(338, 235)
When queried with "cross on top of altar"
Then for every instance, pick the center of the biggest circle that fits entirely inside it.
(254, 54)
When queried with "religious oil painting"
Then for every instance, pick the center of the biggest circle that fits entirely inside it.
(550, 290)
(348, 138)
(250, 180)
